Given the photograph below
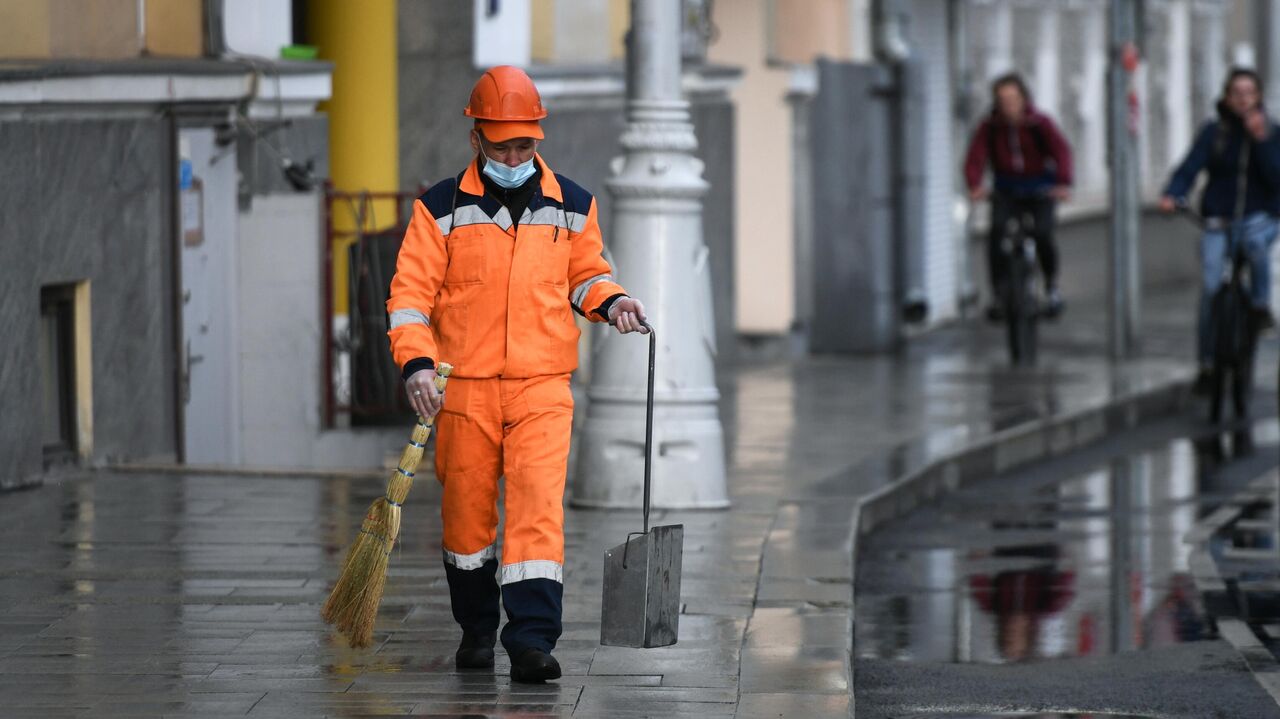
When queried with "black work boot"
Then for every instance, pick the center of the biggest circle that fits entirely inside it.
(533, 666)
(475, 651)
(474, 596)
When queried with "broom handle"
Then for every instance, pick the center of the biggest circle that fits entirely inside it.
(648, 423)
(440, 380)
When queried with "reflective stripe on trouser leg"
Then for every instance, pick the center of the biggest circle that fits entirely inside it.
(468, 461)
(538, 414)
(473, 560)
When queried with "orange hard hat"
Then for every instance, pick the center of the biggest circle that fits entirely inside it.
(506, 104)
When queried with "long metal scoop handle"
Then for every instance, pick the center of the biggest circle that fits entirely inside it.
(648, 422)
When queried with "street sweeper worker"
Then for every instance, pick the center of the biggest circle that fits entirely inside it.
(494, 263)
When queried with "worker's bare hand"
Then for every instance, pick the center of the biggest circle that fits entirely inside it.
(977, 194)
(627, 314)
(1168, 204)
(1061, 193)
(1256, 123)
(425, 399)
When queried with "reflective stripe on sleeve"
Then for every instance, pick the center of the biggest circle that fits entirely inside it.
(408, 317)
(580, 293)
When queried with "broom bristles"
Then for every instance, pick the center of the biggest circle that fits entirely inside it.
(354, 591)
(352, 606)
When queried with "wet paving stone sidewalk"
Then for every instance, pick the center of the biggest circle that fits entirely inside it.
(188, 595)
(1064, 585)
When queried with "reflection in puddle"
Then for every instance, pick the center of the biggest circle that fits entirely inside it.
(1060, 563)
(1027, 716)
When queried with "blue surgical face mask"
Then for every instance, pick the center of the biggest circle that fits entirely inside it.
(506, 176)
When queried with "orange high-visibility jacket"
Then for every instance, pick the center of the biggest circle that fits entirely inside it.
(492, 297)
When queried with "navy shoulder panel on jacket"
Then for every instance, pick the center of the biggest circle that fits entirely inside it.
(576, 199)
(439, 197)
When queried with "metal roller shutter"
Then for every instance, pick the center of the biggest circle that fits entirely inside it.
(930, 44)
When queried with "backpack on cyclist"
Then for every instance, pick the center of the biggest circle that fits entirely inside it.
(1037, 135)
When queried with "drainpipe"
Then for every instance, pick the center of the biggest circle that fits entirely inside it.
(1122, 142)
(359, 38)
(888, 35)
(891, 47)
(1267, 40)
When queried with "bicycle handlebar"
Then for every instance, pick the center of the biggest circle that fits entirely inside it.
(1217, 224)
(1184, 208)
(1233, 250)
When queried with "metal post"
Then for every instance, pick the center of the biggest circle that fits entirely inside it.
(962, 72)
(908, 141)
(659, 256)
(1267, 28)
(1122, 130)
(1120, 531)
(803, 87)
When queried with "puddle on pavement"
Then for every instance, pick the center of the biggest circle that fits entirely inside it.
(1028, 716)
(1048, 565)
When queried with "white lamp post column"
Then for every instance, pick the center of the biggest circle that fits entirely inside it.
(659, 255)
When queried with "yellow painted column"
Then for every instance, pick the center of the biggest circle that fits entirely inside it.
(359, 38)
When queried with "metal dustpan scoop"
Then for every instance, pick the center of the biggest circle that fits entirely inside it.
(641, 605)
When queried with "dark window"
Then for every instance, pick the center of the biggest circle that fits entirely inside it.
(57, 363)
(299, 22)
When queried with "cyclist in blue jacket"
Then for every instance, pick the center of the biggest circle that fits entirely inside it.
(1240, 151)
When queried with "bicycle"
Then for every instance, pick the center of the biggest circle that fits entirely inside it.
(1233, 327)
(1018, 295)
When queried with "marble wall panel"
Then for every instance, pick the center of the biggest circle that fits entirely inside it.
(95, 205)
(436, 75)
(21, 414)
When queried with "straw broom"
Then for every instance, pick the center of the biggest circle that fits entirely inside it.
(353, 604)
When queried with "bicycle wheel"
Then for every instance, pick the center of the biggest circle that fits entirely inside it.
(1216, 389)
(1242, 386)
(1023, 335)
(1233, 349)
(1020, 311)
(1241, 383)
(1013, 327)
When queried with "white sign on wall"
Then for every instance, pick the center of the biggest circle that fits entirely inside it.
(258, 27)
(503, 33)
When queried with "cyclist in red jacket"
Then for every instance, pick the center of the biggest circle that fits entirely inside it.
(1030, 162)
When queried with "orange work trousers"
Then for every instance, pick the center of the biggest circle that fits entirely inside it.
(513, 428)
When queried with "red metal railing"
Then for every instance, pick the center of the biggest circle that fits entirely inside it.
(359, 207)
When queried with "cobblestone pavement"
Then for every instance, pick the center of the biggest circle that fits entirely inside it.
(172, 594)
